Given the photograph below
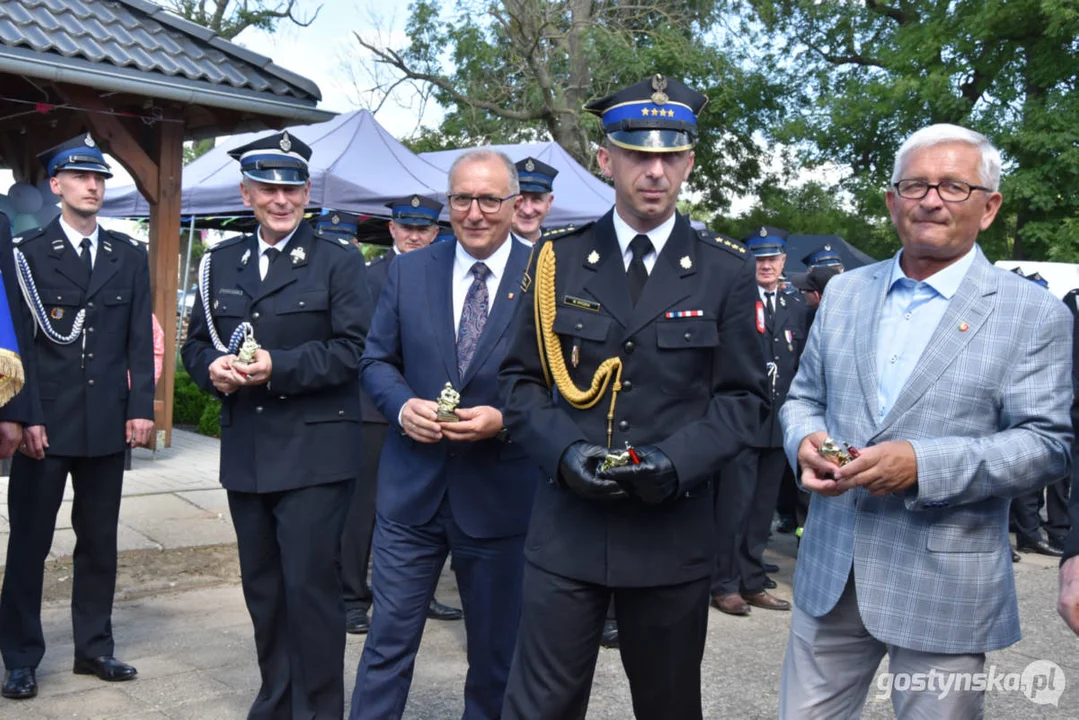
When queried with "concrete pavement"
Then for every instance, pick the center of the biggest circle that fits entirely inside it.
(195, 653)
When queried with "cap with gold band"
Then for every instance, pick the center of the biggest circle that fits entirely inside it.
(655, 115)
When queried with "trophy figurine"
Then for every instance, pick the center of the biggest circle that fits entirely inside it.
(246, 355)
(839, 455)
(448, 400)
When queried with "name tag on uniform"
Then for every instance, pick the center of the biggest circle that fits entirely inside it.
(230, 291)
(581, 303)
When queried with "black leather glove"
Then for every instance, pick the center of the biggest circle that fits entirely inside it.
(652, 481)
(577, 472)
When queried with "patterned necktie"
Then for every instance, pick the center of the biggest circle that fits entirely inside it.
(473, 318)
(85, 256)
(637, 272)
(271, 255)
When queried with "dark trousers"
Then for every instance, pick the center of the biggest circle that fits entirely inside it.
(787, 500)
(288, 544)
(406, 563)
(745, 501)
(360, 523)
(661, 632)
(35, 492)
(1026, 514)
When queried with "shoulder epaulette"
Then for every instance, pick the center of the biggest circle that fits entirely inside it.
(559, 233)
(127, 239)
(229, 243)
(35, 233)
(339, 242)
(732, 246)
(384, 256)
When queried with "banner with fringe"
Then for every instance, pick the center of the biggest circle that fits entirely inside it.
(12, 377)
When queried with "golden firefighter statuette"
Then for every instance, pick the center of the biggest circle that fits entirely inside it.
(448, 400)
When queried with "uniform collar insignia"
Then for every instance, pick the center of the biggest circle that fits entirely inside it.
(593, 257)
(686, 263)
(298, 255)
(245, 257)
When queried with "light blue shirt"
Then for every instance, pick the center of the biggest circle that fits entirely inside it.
(912, 310)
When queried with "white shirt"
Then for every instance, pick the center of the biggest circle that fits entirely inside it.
(264, 259)
(462, 277)
(658, 236)
(521, 239)
(775, 295)
(75, 238)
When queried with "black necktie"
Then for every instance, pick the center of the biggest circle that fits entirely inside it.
(84, 254)
(637, 272)
(271, 255)
(771, 303)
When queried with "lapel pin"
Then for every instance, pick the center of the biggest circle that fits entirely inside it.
(686, 263)
(246, 256)
(593, 257)
(963, 327)
(217, 303)
(510, 296)
(298, 255)
(57, 313)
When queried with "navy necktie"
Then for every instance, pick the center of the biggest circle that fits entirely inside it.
(271, 255)
(473, 318)
(637, 272)
(85, 256)
(771, 303)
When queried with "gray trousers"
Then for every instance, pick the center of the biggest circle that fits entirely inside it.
(831, 661)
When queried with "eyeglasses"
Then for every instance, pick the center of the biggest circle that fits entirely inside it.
(489, 204)
(948, 190)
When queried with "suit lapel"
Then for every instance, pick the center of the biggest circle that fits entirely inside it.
(106, 265)
(248, 270)
(966, 313)
(64, 258)
(287, 267)
(607, 283)
(668, 282)
(440, 305)
(502, 305)
(865, 343)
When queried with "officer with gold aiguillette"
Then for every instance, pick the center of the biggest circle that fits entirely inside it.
(290, 420)
(639, 355)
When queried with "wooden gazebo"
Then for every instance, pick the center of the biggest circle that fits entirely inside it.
(142, 80)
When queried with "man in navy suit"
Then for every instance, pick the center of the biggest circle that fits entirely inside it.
(444, 317)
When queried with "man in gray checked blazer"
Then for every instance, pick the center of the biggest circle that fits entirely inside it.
(952, 378)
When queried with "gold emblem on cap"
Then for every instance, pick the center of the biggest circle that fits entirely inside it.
(335, 218)
(530, 166)
(89, 141)
(593, 257)
(285, 143)
(659, 84)
(415, 201)
(685, 262)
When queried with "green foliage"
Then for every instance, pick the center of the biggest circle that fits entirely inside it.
(210, 422)
(859, 77)
(188, 400)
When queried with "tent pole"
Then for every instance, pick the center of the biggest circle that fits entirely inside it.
(187, 274)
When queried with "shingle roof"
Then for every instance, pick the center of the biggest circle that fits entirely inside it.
(140, 35)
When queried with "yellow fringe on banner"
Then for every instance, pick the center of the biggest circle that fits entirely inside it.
(12, 377)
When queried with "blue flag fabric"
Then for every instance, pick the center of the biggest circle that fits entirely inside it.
(12, 377)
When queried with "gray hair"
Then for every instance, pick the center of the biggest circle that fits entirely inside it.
(485, 155)
(988, 169)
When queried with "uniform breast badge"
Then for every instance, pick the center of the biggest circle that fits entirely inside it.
(448, 400)
(841, 456)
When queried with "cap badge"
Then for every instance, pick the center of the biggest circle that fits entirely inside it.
(764, 233)
(593, 257)
(659, 84)
(827, 247)
(89, 141)
(335, 218)
(685, 262)
(530, 166)
(298, 255)
(415, 201)
(285, 143)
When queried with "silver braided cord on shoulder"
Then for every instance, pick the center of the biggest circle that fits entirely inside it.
(37, 307)
(237, 334)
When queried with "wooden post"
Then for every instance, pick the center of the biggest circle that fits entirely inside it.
(165, 257)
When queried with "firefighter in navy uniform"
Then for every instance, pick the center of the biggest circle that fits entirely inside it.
(645, 337)
(749, 485)
(91, 291)
(537, 195)
(289, 421)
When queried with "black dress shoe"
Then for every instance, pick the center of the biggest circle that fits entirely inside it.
(769, 583)
(609, 638)
(106, 668)
(20, 684)
(1042, 548)
(357, 622)
(1015, 557)
(438, 611)
(770, 568)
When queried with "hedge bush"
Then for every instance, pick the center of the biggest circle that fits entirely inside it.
(210, 422)
(188, 401)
